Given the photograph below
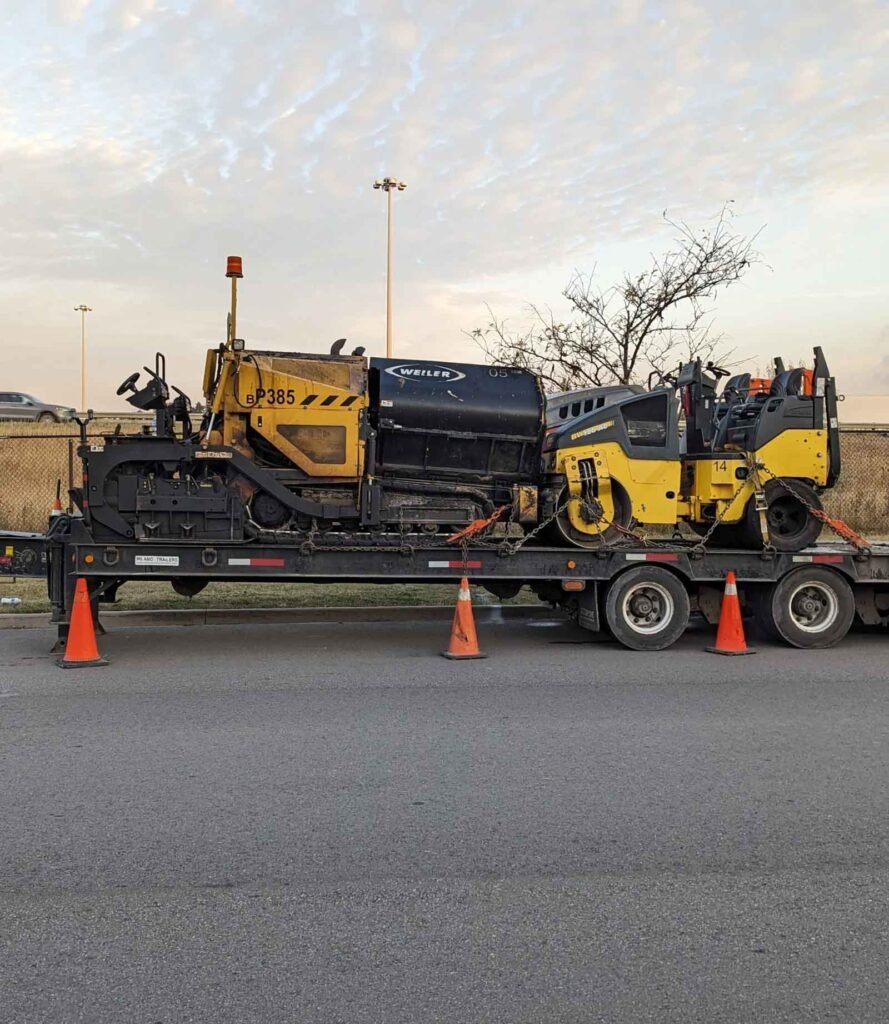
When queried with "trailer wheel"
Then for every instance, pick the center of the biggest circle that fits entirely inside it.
(810, 607)
(647, 608)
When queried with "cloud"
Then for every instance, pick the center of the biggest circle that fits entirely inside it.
(70, 11)
(141, 141)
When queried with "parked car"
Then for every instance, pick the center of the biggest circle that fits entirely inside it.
(14, 405)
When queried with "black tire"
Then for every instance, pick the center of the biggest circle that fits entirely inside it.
(188, 586)
(647, 608)
(562, 532)
(47, 417)
(791, 526)
(810, 607)
(758, 600)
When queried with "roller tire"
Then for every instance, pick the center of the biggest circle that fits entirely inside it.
(811, 607)
(563, 533)
(791, 527)
(646, 608)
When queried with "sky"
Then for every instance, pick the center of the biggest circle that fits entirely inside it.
(143, 141)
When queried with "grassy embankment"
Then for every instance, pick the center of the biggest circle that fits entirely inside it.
(138, 596)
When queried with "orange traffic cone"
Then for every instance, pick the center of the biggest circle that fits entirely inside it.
(80, 649)
(730, 634)
(464, 642)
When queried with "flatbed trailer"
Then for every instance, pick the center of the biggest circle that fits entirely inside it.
(642, 593)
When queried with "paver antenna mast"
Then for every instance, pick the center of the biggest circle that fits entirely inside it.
(83, 310)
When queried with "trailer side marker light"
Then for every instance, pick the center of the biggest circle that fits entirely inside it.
(573, 584)
(261, 563)
(89, 559)
(454, 564)
(653, 556)
(571, 563)
(820, 559)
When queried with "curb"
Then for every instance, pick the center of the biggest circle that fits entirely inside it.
(241, 616)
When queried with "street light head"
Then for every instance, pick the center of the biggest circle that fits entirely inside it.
(389, 183)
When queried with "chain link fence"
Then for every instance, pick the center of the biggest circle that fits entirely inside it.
(32, 465)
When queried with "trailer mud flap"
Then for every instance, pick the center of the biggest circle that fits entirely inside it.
(588, 608)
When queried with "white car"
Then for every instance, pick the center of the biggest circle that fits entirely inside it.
(15, 405)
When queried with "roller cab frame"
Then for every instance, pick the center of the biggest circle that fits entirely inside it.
(631, 459)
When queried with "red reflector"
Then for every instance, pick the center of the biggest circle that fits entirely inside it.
(828, 559)
(661, 556)
(268, 562)
(573, 584)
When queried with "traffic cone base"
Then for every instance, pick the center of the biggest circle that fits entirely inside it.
(464, 642)
(729, 654)
(81, 650)
(730, 633)
(95, 663)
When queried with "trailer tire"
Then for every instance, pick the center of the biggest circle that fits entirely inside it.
(810, 607)
(647, 608)
(759, 600)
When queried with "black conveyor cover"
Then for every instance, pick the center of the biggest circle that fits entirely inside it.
(456, 417)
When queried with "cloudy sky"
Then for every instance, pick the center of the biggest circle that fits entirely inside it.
(142, 141)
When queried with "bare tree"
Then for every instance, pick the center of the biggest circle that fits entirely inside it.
(651, 321)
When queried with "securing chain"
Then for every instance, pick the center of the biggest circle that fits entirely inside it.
(508, 548)
(701, 547)
(839, 527)
(594, 515)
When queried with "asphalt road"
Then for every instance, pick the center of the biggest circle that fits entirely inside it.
(332, 824)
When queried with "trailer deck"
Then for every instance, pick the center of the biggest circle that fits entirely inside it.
(573, 578)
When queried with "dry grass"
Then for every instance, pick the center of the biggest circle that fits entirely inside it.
(140, 595)
(33, 458)
(103, 425)
(30, 468)
(861, 497)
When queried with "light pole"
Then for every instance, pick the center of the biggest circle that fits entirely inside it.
(389, 185)
(83, 310)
